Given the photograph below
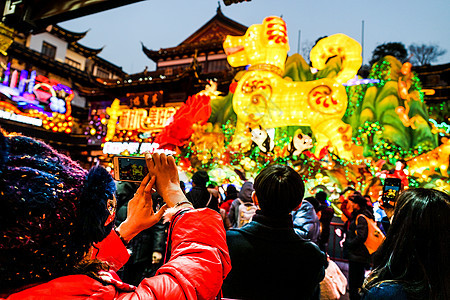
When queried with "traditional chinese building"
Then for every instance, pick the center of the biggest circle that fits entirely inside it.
(54, 58)
(436, 79)
(40, 77)
(182, 70)
(147, 99)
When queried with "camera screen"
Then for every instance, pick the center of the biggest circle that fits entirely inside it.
(132, 169)
(390, 192)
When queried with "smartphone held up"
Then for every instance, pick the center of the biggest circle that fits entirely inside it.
(129, 168)
(391, 189)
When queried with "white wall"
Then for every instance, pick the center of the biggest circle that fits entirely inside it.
(76, 57)
(35, 43)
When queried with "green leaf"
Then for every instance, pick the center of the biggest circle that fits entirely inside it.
(297, 69)
(222, 110)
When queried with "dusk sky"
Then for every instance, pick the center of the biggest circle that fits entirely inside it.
(163, 24)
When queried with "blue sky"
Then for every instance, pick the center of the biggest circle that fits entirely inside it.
(162, 24)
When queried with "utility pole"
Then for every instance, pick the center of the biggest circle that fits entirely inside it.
(298, 44)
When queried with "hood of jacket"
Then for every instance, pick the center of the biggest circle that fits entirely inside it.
(246, 192)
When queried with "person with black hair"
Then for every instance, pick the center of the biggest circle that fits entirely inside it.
(199, 195)
(216, 199)
(412, 263)
(57, 238)
(224, 208)
(230, 195)
(358, 256)
(270, 261)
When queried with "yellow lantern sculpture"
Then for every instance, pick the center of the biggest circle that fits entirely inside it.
(114, 112)
(264, 98)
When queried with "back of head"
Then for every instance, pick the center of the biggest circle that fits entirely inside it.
(321, 196)
(415, 251)
(315, 203)
(200, 178)
(359, 199)
(52, 211)
(246, 192)
(232, 192)
(279, 189)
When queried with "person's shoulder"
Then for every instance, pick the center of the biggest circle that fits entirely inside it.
(310, 249)
(237, 241)
(362, 218)
(233, 232)
(386, 290)
(236, 202)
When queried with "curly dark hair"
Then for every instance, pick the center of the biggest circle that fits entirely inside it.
(46, 229)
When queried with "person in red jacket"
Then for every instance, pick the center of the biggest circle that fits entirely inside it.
(56, 236)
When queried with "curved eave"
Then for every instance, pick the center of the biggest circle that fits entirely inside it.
(188, 49)
(220, 18)
(121, 87)
(67, 35)
(109, 66)
(83, 50)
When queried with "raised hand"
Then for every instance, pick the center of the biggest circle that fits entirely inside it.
(167, 180)
(140, 214)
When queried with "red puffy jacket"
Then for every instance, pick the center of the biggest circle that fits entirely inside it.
(198, 264)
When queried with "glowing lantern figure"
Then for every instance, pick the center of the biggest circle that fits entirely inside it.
(114, 113)
(263, 97)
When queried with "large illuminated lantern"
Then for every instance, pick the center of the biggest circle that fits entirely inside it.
(35, 99)
(264, 98)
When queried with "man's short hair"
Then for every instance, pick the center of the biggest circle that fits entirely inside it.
(279, 189)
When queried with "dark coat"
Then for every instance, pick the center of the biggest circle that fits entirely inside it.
(199, 197)
(386, 291)
(325, 219)
(357, 235)
(270, 261)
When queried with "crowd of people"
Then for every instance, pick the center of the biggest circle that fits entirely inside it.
(67, 233)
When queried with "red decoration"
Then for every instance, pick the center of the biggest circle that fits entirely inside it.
(197, 109)
(233, 86)
(184, 163)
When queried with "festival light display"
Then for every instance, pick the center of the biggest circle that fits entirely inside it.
(37, 97)
(130, 129)
(133, 148)
(333, 128)
(263, 98)
(377, 133)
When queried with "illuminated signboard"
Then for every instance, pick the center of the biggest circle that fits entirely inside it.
(20, 118)
(153, 119)
(37, 97)
(134, 148)
(137, 124)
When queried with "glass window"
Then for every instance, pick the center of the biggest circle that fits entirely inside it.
(48, 50)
